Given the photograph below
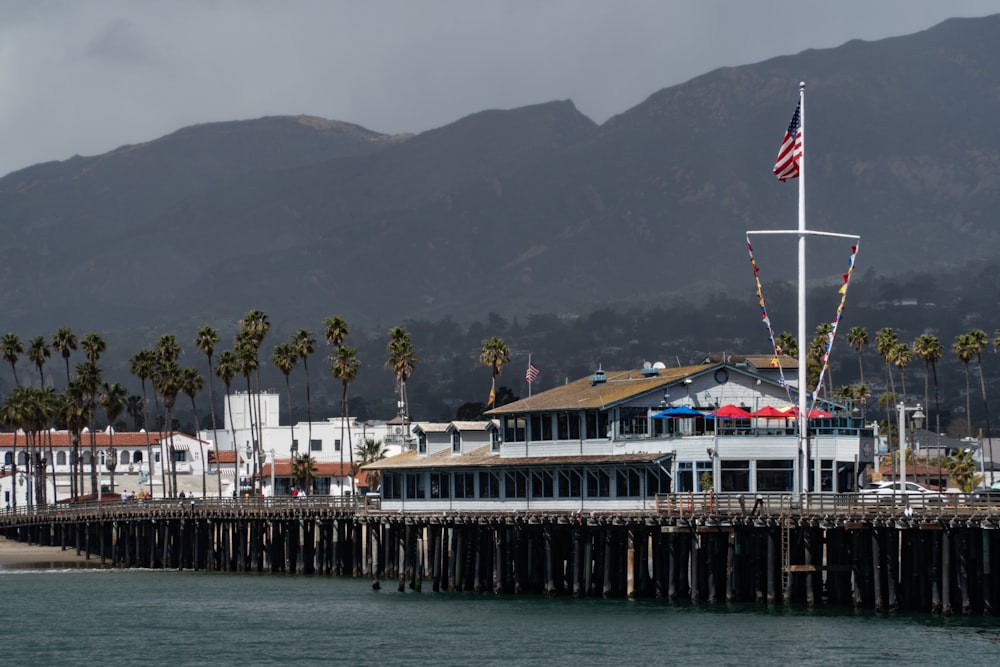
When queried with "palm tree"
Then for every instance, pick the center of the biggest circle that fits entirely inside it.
(965, 349)
(226, 370)
(901, 357)
(786, 344)
(980, 341)
(74, 412)
(143, 365)
(494, 354)
(370, 451)
(253, 329)
(284, 359)
(305, 344)
(248, 364)
(191, 384)
(401, 361)
(885, 344)
(13, 415)
(88, 378)
(861, 394)
(93, 345)
(344, 365)
(303, 472)
(928, 348)
(38, 352)
(64, 342)
(857, 338)
(335, 330)
(113, 401)
(206, 341)
(166, 351)
(168, 381)
(12, 349)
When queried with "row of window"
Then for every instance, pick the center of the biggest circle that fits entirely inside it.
(586, 425)
(124, 458)
(456, 442)
(316, 445)
(564, 483)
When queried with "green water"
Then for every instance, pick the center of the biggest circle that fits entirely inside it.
(123, 617)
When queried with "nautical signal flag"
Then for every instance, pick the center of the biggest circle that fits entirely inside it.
(790, 153)
(493, 394)
(532, 374)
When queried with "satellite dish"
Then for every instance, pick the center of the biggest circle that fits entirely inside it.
(659, 365)
(646, 364)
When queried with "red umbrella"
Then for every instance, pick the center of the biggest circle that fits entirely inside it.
(770, 412)
(731, 412)
(812, 414)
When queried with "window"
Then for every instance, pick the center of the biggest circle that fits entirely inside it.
(597, 424)
(825, 475)
(516, 484)
(513, 429)
(315, 445)
(541, 485)
(8, 458)
(421, 443)
(774, 475)
(465, 485)
(60, 458)
(336, 445)
(137, 456)
(124, 458)
(321, 486)
(415, 485)
(489, 485)
(494, 440)
(735, 476)
(295, 444)
(632, 422)
(541, 427)
(562, 426)
(390, 485)
(598, 484)
(178, 455)
(569, 483)
(456, 442)
(628, 483)
(439, 485)
(657, 481)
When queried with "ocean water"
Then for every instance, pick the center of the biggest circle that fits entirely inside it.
(128, 617)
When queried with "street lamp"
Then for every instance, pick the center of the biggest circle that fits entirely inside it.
(249, 452)
(918, 422)
(111, 461)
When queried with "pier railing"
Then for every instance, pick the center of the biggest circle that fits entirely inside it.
(818, 503)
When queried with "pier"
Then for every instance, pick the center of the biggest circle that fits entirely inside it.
(828, 549)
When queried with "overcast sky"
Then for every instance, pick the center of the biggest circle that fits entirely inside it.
(87, 77)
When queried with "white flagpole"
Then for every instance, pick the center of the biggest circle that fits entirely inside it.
(803, 344)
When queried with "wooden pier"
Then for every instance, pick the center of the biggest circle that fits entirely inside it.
(938, 558)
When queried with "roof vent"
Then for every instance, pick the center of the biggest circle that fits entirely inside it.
(598, 377)
(648, 370)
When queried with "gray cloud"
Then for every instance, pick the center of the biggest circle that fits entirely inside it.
(83, 78)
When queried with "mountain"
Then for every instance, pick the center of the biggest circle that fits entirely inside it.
(530, 210)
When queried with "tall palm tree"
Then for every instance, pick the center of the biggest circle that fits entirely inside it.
(143, 365)
(495, 354)
(928, 348)
(284, 359)
(89, 378)
(74, 412)
(253, 329)
(901, 357)
(305, 344)
(857, 338)
(965, 349)
(344, 365)
(226, 370)
(13, 415)
(249, 364)
(168, 381)
(112, 400)
(335, 331)
(980, 341)
(38, 352)
(206, 340)
(885, 344)
(93, 345)
(64, 342)
(12, 348)
(861, 395)
(191, 384)
(401, 361)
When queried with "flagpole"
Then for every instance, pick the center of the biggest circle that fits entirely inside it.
(803, 345)
(529, 383)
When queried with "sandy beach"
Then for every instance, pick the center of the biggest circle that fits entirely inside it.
(19, 556)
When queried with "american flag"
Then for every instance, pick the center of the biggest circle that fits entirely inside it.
(532, 373)
(787, 164)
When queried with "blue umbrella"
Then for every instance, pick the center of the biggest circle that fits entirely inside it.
(678, 412)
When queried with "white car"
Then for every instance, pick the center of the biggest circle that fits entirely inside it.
(887, 492)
